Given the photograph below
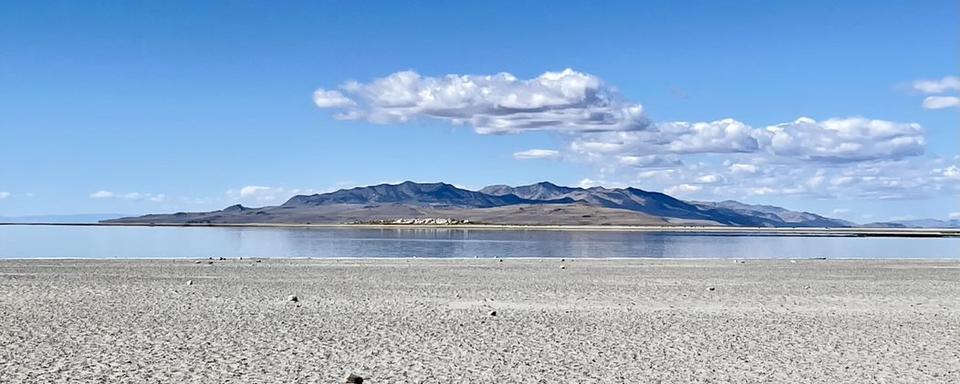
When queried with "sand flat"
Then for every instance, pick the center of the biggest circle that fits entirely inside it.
(419, 320)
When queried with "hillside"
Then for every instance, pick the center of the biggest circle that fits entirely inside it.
(541, 203)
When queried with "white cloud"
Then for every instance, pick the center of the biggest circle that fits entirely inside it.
(602, 123)
(844, 140)
(954, 215)
(948, 83)
(101, 194)
(851, 157)
(134, 196)
(710, 179)
(650, 161)
(951, 172)
(659, 175)
(548, 154)
(4, 195)
(491, 104)
(259, 194)
(840, 211)
(331, 99)
(254, 190)
(682, 189)
(941, 102)
(871, 180)
(760, 191)
(721, 136)
(834, 140)
(743, 168)
(588, 183)
(591, 183)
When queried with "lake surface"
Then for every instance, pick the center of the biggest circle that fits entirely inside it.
(176, 242)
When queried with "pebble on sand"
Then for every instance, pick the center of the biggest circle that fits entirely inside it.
(354, 379)
(293, 298)
(711, 288)
(189, 282)
(493, 313)
(563, 267)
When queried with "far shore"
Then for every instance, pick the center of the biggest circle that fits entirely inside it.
(721, 230)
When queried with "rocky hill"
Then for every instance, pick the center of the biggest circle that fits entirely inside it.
(541, 203)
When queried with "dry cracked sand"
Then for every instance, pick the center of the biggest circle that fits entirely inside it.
(430, 321)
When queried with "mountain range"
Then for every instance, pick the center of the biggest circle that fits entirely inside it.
(918, 223)
(542, 203)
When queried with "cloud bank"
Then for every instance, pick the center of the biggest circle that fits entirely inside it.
(941, 102)
(492, 104)
(834, 157)
(548, 154)
(944, 85)
(833, 140)
(134, 196)
(260, 194)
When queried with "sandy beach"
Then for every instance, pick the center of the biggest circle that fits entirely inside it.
(479, 321)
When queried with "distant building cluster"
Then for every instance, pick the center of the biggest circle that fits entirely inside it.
(416, 221)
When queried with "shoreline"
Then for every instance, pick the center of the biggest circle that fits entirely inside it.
(479, 320)
(718, 230)
(491, 258)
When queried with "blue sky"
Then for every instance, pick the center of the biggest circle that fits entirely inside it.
(135, 107)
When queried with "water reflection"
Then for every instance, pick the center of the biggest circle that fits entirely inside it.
(164, 242)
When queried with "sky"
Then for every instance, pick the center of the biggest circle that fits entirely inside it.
(847, 109)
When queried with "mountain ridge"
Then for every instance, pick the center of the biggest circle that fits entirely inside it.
(539, 203)
(409, 192)
(915, 223)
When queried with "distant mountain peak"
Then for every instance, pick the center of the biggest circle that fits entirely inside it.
(235, 208)
(410, 193)
(410, 198)
(547, 184)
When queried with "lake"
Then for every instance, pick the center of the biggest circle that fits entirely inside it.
(18, 241)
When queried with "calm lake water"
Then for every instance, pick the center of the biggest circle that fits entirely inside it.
(172, 242)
